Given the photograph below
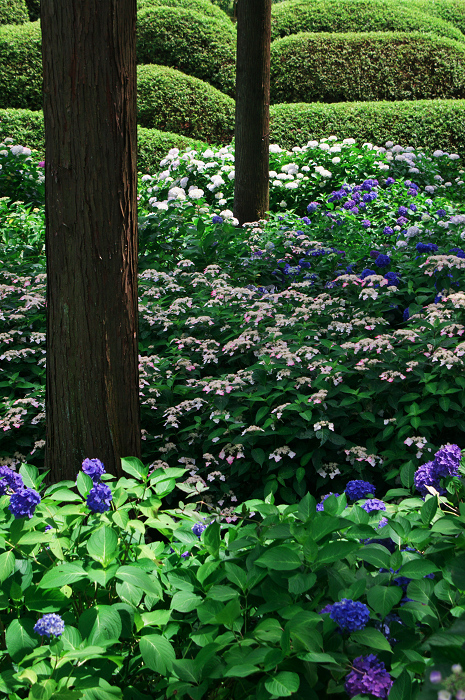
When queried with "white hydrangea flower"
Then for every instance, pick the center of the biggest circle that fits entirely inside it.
(274, 148)
(389, 144)
(438, 153)
(324, 146)
(231, 175)
(312, 144)
(195, 193)
(283, 204)
(454, 156)
(335, 160)
(430, 189)
(227, 214)
(176, 193)
(401, 244)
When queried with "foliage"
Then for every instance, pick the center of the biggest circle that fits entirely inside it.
(296, 16)
(21, 66)
(157, 602)
(366, 66)
(205, 7)
(33, 8)
(452, 11)
(181, 38)
(13, 12)
(20, 176)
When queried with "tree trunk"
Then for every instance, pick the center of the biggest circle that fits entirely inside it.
(251, 191)
(92, 392)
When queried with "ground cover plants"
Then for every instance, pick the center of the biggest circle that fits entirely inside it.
(302, 394)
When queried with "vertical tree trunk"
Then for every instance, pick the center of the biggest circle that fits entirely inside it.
(251, 191)
(92, 399)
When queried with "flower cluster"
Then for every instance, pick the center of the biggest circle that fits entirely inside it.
(24, 503)
(99, 498)
(368, 675)
(445, 463)
(320, 506)
(93, 468)
(350, 615)
(50, 624)
(9, 481)
(357, 488)
(373, 505)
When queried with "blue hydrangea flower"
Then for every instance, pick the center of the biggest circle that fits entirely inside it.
(458, 252)
(366, 273)
(402, 211)
(382, 523)
(93, 468)
(426, 247)
(390, 181)
(412, 207)
(388, 230)
(217, 219)
(357, 489)
(382, 260)
(425, 476)
(393, 278)
(446, 461)
(366, 223)
(401, 221)
(440, 213)
(368, 675)
(350, 615)
(9, 481)
(50, 624)
(349, 204)
(99, 498)
(24, 503)
(354, 210)
(406, 314)
(306, 220)
(336, 196)
(198, 528)
(312, 207)
(320, 506)
(373, 505)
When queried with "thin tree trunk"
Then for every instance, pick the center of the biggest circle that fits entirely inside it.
(251, 192)
(89, 65)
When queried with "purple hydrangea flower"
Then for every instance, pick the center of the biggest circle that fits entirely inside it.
(368, 675)
(24, 503)
(425, 476)
(198, 528)
(312, 207)
(93, 468)
(366, 223)
(306, 220)
(412, 207)
(320, 506)
(393, 278)
(402, 211)
(366, 273)
(373, 505)
(50, 624)
(458, 252)
(446, 461)
(357, 489)
(426, 247)
(99, 498)
(354, 210)
(382, 523)
(326, 609)
(382, 260)
(388, 230)
(9, 481)
(440, 213)
(401, 221)
(217, 219)
(406, 314)
(349, 204)
(390, 181)
(350, 615)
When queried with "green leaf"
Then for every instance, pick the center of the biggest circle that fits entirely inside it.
(417, 568)
(136, 577)
(64, 495)
(62, 575)
(334, 551)
(372, 638)
(157, 653)
(204, 571)
(33, 537)
(428, 509)
(375, 554)
(7, 565)
(48, 601)
(103, 545)
(43, 690)
(315, 657)
(402, 688)
(236, 575)
(283, 684)
(211, 538)
(280, 558)
(382, 598)
(84, 484)
(185, 601)
(20, 638)
(100, 623)
(30, 475)
(99, 575)
(306, 508)
(134, 467)
(240, 671)
(301, 583)
(258, 455)
(222, 593)
(325, 524)
(187, 670)
(229, 614)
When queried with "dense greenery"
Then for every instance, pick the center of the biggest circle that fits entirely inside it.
(452, 11)
(13, 12)
(205, 7)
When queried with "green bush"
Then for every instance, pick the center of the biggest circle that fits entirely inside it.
(153, 145)
(452, 11)
(197, 45)
(33, 8)
(365, 67)
(171, 101)
(21, 66)
(434, 124)
(204, 7)
(296, 16)
(13, 12)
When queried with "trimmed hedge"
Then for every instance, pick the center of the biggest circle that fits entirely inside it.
(193, 43)
(27, 129)
(171, 101)
(13, 12)
(433, 124)
(295, 16)
(204, 7)
(21, 66)
(365, 67)
(452, 11)
(33, 8)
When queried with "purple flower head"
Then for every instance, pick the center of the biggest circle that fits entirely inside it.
(446, 461)
(24, 503)
(390, 181)
(349, 204)
(312, 207)
(320, 506)
(306, 220)
(374, 254)
(382, 523)
(406, 314)
(336, 196)
(366, 273)
(426, 247)
(440, 213)
(50, 624)
(382, 260)
(368, 675)
(425, 476)
(458, 252)
(402, 211)
(350, 615)
(217, 219)
(357, 489)
(373, 505)
(366, 223)
(393, 278)
(356, 196)
(367, 197)
(388, 230)
(354, 210)
(93, 468)
(401, 220)
(198, 528)
(9, 481)
(412, 192)
(412, 207)
(326, 609)
(435, 677)
(99, 498)
(41, 164)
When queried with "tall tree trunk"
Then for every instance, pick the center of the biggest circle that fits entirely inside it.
(92, 394)
(251, 191)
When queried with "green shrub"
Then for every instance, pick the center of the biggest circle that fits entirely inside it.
(431, 124)
(197, 45)
(21, 66)
(204, 7)
(171, 101)
(33, 8)
(452, 11)
(27, 129)
(13, 12)
(296, 16)
(365, 67)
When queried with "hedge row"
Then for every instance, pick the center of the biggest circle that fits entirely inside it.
(13, 12)
(430, 124)
(452, 11)
(205, 7)
(27, 128)
(295, 16)
(365, 67)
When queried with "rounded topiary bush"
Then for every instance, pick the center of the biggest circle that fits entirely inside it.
(172, 101)
(21, 66)
(295, 16)
(366, 66)
(204, 7)
(153, 145)
(191, 42)
(452, 11)
(33, 8)
(13, 12)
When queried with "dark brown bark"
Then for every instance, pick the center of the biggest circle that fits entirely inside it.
(89, 65)
(251, 191)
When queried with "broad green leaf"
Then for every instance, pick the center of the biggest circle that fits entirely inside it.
(84, 484)
(33, 537)
(43, 690)
(139, 578)
(236, 575)
(306, 508)
(64, 495)
(156, 618)
(204, 571)
(258, 455)
(7, 565)
(129, 594)
(402, 688)
(283, 684)
(372, 638)
(101, 576)
(185, 601)
(103, 545)
(335, 551)
(280, 558)
(62, 575)
(211, 538)
(229, 614)
(157, 653)
(375, 554)
(30, 475)
(100, 623)
(417, 568)
(187, 670)
(301, 583)
(102, 690)
(383, 598)
(71, 638)
(222, 593)
(134, 467)
(428, 509)
(315, 657)
(240, 671)
(20, 638)
(325, 524)
(48, 601)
